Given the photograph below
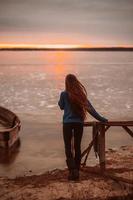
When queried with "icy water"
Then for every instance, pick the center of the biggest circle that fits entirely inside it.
(30, 84)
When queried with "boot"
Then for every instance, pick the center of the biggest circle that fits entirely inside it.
(76, 174)
(73, 170)
(70, 175)
(71, 167)
(77, 169)
(77, 163)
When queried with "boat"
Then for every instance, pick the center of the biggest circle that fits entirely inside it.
(9, 128)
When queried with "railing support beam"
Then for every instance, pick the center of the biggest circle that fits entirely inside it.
(101, 128)
(102, 147)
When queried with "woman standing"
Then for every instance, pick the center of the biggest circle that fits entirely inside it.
(75, 104)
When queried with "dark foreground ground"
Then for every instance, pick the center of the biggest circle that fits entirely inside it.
(117, 183)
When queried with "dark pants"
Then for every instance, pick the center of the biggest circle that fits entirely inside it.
(71, 130)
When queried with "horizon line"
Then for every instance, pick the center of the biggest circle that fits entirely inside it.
(64, 47)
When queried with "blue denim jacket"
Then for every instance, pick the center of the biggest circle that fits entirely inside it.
(69, 116)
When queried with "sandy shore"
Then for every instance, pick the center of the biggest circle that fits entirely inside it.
(117, 183)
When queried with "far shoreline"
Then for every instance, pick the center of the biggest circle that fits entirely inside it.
(67, 49)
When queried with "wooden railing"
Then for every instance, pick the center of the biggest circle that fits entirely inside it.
(98, 142)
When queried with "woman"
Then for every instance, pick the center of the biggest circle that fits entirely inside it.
(75, 104)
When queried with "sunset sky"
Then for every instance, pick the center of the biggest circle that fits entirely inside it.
(91, 22)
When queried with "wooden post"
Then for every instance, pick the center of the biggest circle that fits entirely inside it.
(102, 147)
(102, 128)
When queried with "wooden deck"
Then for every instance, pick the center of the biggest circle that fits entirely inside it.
(98, 142)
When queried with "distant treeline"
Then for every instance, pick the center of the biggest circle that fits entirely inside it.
(68, 49)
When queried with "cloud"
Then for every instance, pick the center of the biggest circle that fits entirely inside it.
(94, 17)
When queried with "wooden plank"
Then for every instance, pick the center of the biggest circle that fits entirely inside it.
(107, 127)
(120, 123)
(91, 143)
(103, 127)
(87, 153)
(110, 123)
(92, 123)
(128, 130)
(94, 132)
(87, 149)
(96, 140)
(102, 147)
(107, 174)
(117, 178)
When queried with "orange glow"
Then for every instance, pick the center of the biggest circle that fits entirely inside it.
(48, 46)
(60, 58)
(59, 46)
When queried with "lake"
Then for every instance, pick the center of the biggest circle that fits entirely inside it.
(30, 84)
